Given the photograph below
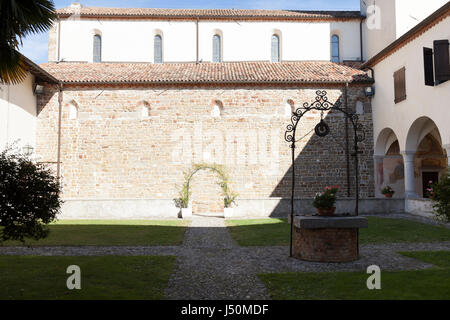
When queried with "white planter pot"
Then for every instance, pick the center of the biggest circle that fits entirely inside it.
(186, 212)
(228, 212)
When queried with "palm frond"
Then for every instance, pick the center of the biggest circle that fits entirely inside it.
(19, 18)
(12, 67)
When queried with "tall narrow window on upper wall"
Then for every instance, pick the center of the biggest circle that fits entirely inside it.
(275, 54)
(217, 56)
(97, 57)
(158, 49)
(335, 48)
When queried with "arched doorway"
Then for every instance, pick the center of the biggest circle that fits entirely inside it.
(426, 156)
(389, 166)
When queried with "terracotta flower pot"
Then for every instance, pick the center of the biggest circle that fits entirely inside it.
(326, 212)
(388, 195)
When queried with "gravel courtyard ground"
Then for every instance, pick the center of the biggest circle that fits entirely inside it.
(211, 265)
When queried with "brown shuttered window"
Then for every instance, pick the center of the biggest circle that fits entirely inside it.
(400, 85)
(441, 61)
(428, 66)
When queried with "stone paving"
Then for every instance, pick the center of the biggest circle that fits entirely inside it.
(210, 265)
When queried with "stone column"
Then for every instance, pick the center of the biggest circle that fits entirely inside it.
(447, 148)
(378, 166)
(408, 160)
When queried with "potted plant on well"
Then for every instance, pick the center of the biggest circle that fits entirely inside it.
(324, 201)
(388, 191)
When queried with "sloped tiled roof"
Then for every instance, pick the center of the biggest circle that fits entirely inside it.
(422, 27)
(207, 13)
(217, 73)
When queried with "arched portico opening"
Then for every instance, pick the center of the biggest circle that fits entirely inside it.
(389, 166)
(425, 158)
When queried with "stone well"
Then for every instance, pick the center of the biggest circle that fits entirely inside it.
(327, 239)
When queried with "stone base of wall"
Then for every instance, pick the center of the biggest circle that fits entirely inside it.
(165, 208)
(420, 207)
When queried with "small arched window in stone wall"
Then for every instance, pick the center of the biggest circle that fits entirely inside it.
(217, 109)
(73, 110)
(289, 108)
(144, 109)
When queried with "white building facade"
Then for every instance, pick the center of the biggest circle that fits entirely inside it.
(243, 35)
(412, 132)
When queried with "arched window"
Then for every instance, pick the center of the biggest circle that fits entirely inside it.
(217, 109)
(158, 49)
(144, 109)
(97, 55)
(275, 48)
(217, 54)
(73, 110)
(335, 48)
(289, 108)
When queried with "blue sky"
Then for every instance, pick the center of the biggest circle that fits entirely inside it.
(35, 47)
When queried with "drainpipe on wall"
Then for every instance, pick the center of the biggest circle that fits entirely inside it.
(7, 116)
(196, 41)
(347, 151)
(361, 38)
(59, 40)
(60, 100)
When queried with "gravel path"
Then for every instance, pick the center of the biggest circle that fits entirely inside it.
(204, 270)
(210, 265)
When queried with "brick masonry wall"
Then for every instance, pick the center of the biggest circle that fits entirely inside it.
(326, 245)
(137, 142)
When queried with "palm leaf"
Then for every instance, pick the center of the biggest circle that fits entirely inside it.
(19, 18)
(12, 67)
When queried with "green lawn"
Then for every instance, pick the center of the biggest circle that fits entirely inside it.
(108, 277)
(111, 233)
(275, 232)
(410, 285)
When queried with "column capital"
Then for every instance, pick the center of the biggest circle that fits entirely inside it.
(447, 147)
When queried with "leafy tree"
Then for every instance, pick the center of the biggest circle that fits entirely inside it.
(19, 18)
(29, 197)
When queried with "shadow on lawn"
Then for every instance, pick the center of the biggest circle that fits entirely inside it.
(108, 235)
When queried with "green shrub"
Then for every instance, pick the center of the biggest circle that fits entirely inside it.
(440, 195)
(29, 197)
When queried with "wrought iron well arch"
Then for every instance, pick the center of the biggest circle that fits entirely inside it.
(322, 104)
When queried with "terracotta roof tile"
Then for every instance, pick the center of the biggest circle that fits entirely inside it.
(207, 13)
(192, 73)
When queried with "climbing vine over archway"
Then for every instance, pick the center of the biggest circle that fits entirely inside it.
(224, 181)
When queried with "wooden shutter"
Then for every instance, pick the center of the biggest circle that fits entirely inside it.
(97, 55)
(428, 66)
(158, 49)
(441, 61)
(216, 49)
(275, 48)
(400, 85)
